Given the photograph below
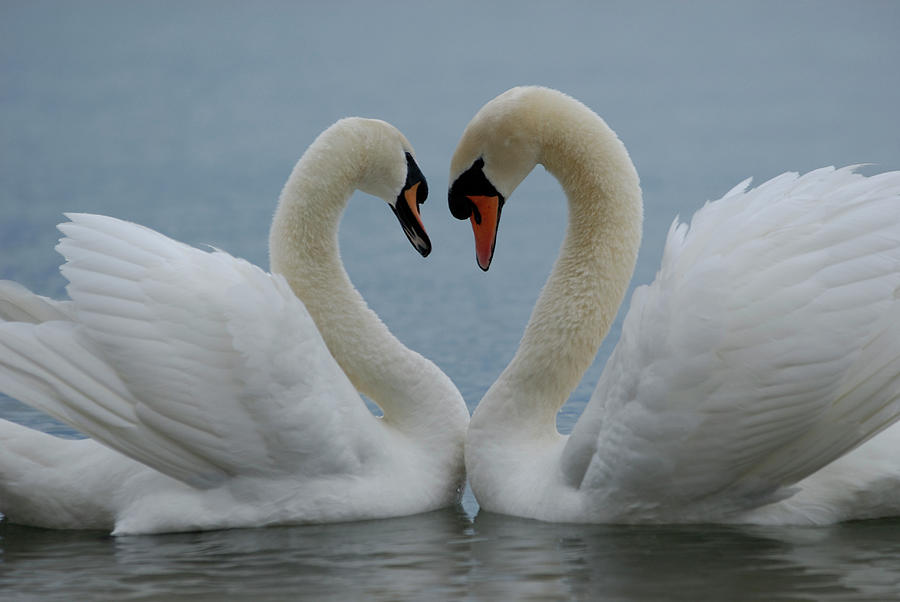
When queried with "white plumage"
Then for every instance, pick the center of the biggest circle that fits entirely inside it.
(767, 346)
(214, 380)
(764, 352)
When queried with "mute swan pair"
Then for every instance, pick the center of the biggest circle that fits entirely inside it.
(765, 351)
(218, 395)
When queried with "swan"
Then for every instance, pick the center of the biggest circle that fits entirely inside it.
(756, 379)
(217, 395)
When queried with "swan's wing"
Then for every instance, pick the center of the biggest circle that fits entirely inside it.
(18, 304)
(767, 346)
(197, 364)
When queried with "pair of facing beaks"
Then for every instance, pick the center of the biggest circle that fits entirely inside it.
(482, 209)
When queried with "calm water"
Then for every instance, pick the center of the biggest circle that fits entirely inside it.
(444, 555)
(188, 118)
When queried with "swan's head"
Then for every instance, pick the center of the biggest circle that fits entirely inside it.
(391, 173)
(498, 148)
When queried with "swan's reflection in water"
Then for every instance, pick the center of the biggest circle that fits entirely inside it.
(859, 560)
(388, 559)
(445, 556)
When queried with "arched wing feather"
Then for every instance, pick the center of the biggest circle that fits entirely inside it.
(195, 363)
(767, 346)
(18, 304)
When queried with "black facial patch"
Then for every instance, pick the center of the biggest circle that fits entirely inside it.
(471, 182)
(413, 175)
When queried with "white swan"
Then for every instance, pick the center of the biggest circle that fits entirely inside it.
(767, 348)
(214, 380)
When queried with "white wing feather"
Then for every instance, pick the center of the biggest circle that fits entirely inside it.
(767, 346)
(197, 364)
(18, 304)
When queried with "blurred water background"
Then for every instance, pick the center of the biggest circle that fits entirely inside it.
(188, 116)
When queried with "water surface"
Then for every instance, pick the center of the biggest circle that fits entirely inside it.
(445, 555)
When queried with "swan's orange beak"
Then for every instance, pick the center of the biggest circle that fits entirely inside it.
(409, 195)
(485, 219)
(406, 207)
(407, 211)
(473, 196)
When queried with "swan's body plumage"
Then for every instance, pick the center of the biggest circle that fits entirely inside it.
(748, 374)
(212, 397)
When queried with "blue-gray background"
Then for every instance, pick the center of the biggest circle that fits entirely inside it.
(188, 116)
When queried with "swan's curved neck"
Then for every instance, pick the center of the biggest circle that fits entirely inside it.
(589, 280)
(303, 246)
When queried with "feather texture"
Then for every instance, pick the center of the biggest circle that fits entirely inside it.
(211, 397)
(754, 377)
(764, 350)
